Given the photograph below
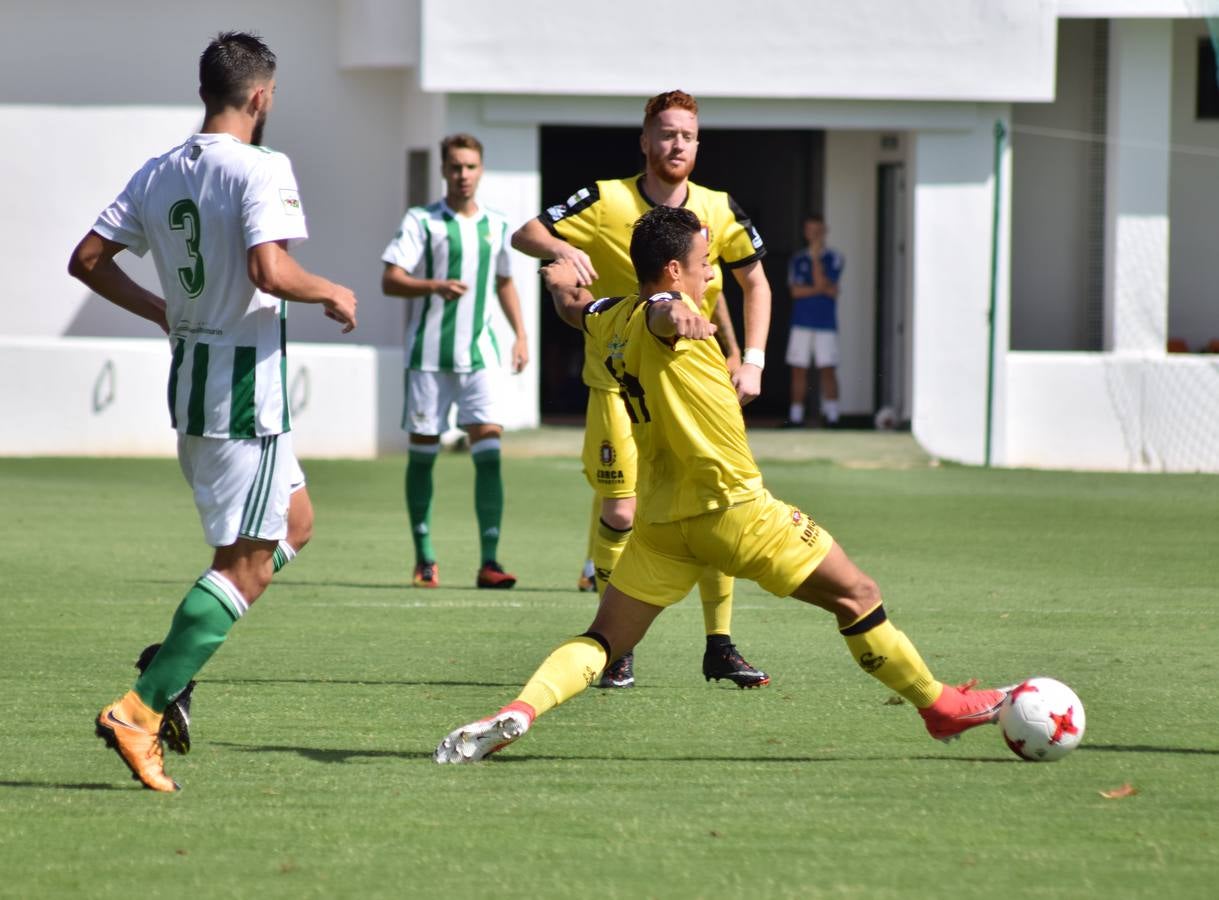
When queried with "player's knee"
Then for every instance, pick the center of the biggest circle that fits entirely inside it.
(618, 514)
(482, 432)
(865, 593)
(300, 532)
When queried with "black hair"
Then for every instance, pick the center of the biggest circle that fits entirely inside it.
(662, 234)
(230, 65)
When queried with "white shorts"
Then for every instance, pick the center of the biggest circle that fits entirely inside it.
(242, 487)
(431, 395)
(806, 345)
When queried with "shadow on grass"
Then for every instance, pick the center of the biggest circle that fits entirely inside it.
(323, 754)
(364, 682)
(64, 786)
(529, 757)
(384, 586)
(1147, 748)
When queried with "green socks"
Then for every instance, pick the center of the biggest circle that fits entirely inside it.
(421, 459)
(284, 554)
(199, 627)
(488, 495)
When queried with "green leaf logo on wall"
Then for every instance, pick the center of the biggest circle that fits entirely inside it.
(184, 217)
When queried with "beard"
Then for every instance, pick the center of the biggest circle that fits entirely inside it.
(256, 137)
(669, 172)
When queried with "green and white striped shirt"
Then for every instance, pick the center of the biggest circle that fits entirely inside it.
(199, 208)
(435, 242)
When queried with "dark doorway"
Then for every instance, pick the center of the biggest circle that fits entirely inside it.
(775, 175)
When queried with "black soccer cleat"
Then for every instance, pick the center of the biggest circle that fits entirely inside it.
(727, 662)
(175, 721)
(620, 673)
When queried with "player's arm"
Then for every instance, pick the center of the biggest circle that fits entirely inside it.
(510, 303)
(92, 262)
(725, 334)
(748, 377)
(562, 280)
(822, 283)
(534, 240)
(669, 319)
(396, 282)
(273, 271)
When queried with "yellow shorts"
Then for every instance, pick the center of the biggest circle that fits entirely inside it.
(609, 448)
(764, 540)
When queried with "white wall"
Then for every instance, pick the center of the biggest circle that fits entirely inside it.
(953, 195)
(1137, 167)
(932, 49)
(92, 151)
(1109, 411)
(1050, 178)
(106, 397)
(1193, 293)
(87, 93)
(346, 111)
(851, 161)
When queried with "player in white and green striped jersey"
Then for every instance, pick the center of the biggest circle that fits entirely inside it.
(218, 213)
(447, 259)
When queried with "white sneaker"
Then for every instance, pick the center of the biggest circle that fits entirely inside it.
(472, 742)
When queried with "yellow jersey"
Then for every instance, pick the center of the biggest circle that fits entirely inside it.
(599, 219)
(689, 431)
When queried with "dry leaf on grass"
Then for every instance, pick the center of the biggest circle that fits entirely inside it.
(1126, 790)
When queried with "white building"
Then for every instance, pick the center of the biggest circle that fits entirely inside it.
(1064, 135)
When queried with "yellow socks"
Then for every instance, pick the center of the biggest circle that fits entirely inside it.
(888, 656)
(715, 590)
(607, 550)
(572, 667)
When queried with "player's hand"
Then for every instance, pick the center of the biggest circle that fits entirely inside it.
(689, 324)
(585, 273)
(341, 306)
(451, 289)
(561, 273)
(747, 380)
(520, 356)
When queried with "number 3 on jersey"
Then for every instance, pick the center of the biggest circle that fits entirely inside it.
(184, 216)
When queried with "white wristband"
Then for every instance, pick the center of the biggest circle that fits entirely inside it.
(754, 357)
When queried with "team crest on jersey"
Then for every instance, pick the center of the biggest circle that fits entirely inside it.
(607, 453)
(796, 517)
(291, 201)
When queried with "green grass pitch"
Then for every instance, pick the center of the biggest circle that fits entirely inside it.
(311, 774)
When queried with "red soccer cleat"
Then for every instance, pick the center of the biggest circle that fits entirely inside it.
(427, 575)
(960, 708)
(492, 575)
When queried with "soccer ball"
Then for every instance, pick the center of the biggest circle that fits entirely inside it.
(1042, 720)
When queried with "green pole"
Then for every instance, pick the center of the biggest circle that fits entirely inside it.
(1000, 134)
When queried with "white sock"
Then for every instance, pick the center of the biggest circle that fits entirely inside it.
(830, 409)
(796, 413)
